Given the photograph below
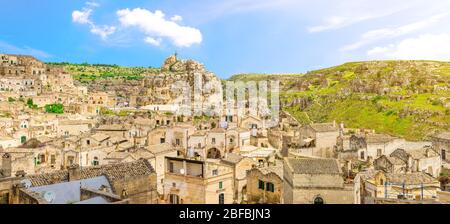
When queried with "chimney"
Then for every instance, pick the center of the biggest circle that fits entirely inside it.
(409, 167)
(427, 152)
(74, 172)
(6, 165)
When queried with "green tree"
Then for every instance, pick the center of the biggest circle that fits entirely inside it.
(10, 99)
(55, 108)
(31, 104)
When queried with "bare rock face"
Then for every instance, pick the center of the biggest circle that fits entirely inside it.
(161, 88)
(171, 60)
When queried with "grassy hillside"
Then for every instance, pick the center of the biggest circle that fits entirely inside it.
(89, 72)
(408, 99)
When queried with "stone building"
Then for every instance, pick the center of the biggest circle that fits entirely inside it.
(134, 182)
(441, 142)
(419, 158)
(240, 167)
(190, 181)
(316, 140)
(406, 186)
(315, 181)
(265, 185)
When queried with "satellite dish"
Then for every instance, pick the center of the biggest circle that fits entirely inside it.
(26, 183)
(49, 196)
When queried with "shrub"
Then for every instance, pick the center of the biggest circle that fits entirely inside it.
(55, 108)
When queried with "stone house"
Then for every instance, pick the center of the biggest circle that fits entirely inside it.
(252, 122)
(114, 130)
(380, 144)
(265, 185)
(102, 99)
(240, 167)
(134, 182)
(68, 127)
(198, 182)
(261, 156)
(318, 139)
(422, 159)
(158, 135)
(180, 136)
(156, 157)
(407, 186)
(216, 143)
(197, 143)
(315, 181)
(441, 143)
(237, 138)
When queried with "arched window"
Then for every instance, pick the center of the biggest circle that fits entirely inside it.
(213, 153)
(222, 198)
(318, 200)
(95, 162)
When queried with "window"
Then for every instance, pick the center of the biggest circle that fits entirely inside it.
(177, 141)
(215, 172)
(171, 167)
(199, 145)
(443, 154)
(318, 200)
(270, 187)
(213, 140)
(52, 159)
(362, 155)
(222, 198)
(157, 122)
(23, 139)
(220, 185)
(162, 140)
(231, 140)
(174, 199)
(378, 152)
(168, 122)
(261, 184)
(95, 162)
(70, 160)
(88, 142)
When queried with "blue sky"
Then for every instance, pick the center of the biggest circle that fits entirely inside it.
(229, 37)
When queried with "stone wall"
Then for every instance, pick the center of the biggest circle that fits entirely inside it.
(256, 195)
(139, 190)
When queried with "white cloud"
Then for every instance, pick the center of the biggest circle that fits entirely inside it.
(388, 33)
(153, 41)
(92, 4)
(83, 17)
(103, 31)
(176, 18)
(154, 24)
(424, 47)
